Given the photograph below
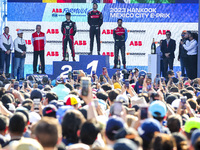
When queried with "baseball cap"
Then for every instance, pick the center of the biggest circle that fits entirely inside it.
(61, 112)
(34, 117)
(113, 125)
(123, 99)
(26, 144)
(1, 84)
(125, 144)
(10, 107)
(19, 31)
(158, 109)
(175, 103)
(60, 80)
(36, 94)
(192, 123)
(142, 73)
(148, 128)
(195, 136)
(117, 85)
(71, 100)
(49, 110)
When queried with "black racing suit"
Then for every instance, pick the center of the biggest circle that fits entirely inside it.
(95, 20)
(120, 36)
(68, 29)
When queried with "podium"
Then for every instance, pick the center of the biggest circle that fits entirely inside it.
(154, 65)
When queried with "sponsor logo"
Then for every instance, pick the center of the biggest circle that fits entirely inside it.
(52, 31)
(54, 42)
(80, 43)
(107, 42)
(110, 31)
(83, 30)
(162, 32)
(26, 30)
(52, 53)
(80, 12)
(135, 43)
(111, 54)
(137, 31)
(28, 42)
(82, 53)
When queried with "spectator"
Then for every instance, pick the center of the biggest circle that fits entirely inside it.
(112, 96)
(174, 123)
(60, 89)
(181, 141)
(139, 83)
(50, 111)
(48, 132)
(50, 96)
(3, 129)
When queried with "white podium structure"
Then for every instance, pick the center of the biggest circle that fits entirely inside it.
(154, 65)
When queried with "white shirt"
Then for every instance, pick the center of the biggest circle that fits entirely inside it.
(32, 39)
(19, 41)
(191, 47)
(4, 39)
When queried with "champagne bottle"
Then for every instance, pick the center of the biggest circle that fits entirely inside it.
(153, 47)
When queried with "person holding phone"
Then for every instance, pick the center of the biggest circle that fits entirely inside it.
(20, 55)
(120, 35)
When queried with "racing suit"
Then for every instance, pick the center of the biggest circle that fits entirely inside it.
(120, 35)
(68, 29)
(95, 20)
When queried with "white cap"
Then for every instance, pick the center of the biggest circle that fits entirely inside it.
(175, 103)
(122, 98)
(34, 117)
(19, 31)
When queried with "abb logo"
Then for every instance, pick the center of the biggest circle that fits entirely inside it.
(57, 10)
(135, 43)
(28, 42)
(111, 54)
(108, 31)
(80, 43)
(162, 32)
(52, 31)
(53, 53)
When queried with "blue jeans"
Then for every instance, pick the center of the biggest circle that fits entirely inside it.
(183, 61)
(5, 59)
(19, 65)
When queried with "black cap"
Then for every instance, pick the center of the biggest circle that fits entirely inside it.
(68, 14)
(36, 94)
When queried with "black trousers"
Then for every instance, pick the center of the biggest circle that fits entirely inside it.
(183, 61)
(35, 60)
(120, 46)
(167, 62)
(94, 31)
(70, 39)
(191, 66)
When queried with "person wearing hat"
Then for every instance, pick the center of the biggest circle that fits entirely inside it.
(6, 46)
(95, 20)
(38, 40)
(68, 29)
(20, 54)
(139, 84)
(182, 57)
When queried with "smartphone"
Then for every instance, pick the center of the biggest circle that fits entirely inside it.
(126, 82)
(162, 79)
(75, 77)
(93, 75)
(118, 73)
(101, 78)
(85, 83)
(149, 75)
(76, 72)
(25, 84)
(104, 71)
(36, 102)
(70, 75)
(143, 112)
(157, 81)
(117, 109)
(183, 101)
(157, 76)
(114, 77)
(149, 87)
(16, 85)
(96, 103)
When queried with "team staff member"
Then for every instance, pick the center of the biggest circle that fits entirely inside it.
(6, 44)
(120, 35)
(38, 41)
(20, 54)
(191, 48)
(95, 20)
(68, 29)
(167, 48)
